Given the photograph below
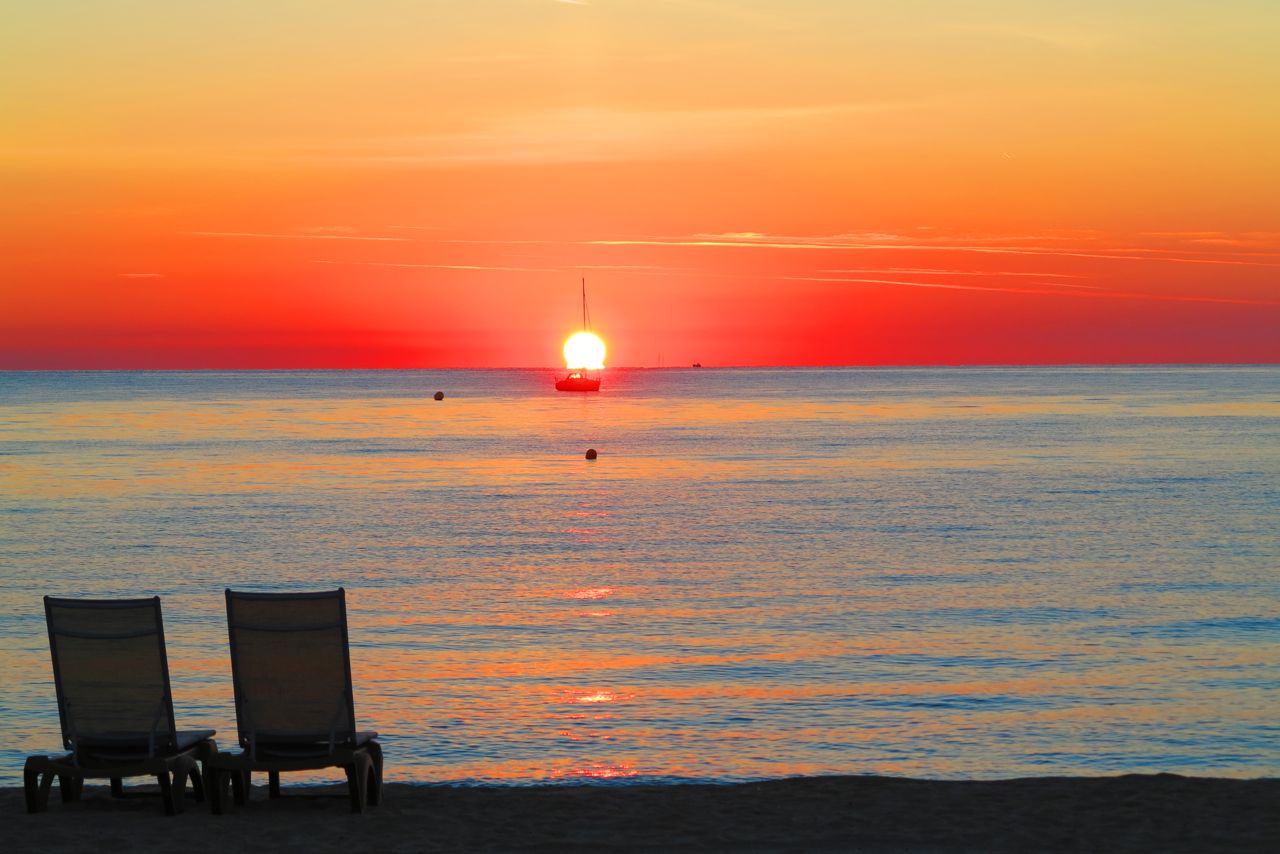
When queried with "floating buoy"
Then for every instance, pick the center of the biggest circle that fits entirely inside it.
(439, 395)
(591, 453)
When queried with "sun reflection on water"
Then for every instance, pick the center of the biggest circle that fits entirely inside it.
(592, 593)
(596, 771)
(594, 697)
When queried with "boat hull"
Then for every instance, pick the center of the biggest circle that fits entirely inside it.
(578, 384)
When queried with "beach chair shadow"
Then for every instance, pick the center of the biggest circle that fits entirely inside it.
(291, 667)
(111, 675)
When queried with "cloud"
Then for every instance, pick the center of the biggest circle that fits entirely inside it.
(1243, 240)
(303, 236)
(879, 241)
(592, 134)
(946, 244)
(641, 269)
(629, 268)
(1089, 294)
(478, 64)
(897, 270)
(140, 275)
(441, 266)
(933, 271)
(327, 229)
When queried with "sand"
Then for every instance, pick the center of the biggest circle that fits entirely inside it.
(875, 814)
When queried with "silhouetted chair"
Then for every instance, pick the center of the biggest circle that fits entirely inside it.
(291, 665)
(111, 675)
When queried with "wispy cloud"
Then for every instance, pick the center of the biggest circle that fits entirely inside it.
(1041, 291)
(929, 241)
(1242, 240)
(931, 271)
(629, 268)
(302, 236)
(490, 59)
(326, 229)
(640, 269)
(581, 134)
(592, 134)
(140, 275)
(412, 266)
(948, 244)
(496, 64)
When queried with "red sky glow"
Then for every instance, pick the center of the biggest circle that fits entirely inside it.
(808, 183)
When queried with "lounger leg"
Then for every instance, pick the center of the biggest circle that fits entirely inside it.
(375, 774)
(205, 751)
(31, 787)
(186, 768)
(197, 784)
(46, 785)
(239, 786)
(165, 779)
(117, 787)
(179, 777)
(357, 775)
(273, 784)
(69, 788)
(210, 781)
(215, 783)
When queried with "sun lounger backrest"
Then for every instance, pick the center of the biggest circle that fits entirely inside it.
(111, 673)
(291, 667)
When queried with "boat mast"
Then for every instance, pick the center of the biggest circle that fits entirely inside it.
(584, 303)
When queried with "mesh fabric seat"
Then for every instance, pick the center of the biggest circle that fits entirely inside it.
(111, 675)
(291, 666)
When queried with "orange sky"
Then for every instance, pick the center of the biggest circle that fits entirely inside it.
(403, 184)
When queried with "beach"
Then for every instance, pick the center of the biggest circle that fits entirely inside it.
(1162, 812)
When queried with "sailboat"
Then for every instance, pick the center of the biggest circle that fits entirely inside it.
(579, 380)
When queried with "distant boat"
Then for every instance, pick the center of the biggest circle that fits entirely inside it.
(579, 380)
(697, 364)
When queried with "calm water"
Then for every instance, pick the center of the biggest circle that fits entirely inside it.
(944, 573)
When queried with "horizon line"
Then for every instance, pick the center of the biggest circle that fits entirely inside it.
(740, 367)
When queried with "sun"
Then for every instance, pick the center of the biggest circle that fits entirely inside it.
(585, 351)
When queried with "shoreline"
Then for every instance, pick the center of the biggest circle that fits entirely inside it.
(863, 813)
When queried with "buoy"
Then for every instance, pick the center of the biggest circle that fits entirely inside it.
(439, 395)
(591, 453)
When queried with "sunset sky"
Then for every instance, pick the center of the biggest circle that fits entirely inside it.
(422, 184)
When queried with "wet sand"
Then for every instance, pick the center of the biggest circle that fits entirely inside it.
(874, 814)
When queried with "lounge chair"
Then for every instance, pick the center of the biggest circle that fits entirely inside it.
(291, 666)
(112, 679)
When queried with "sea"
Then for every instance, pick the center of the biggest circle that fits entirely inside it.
(946, 572)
